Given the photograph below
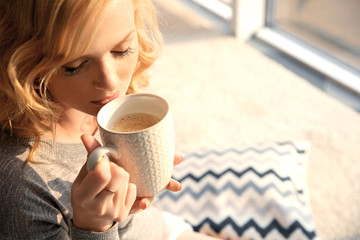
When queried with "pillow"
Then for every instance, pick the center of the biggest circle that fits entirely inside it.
(252, 191)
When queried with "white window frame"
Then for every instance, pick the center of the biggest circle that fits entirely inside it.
(249, 17)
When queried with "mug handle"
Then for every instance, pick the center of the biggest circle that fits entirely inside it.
(97, 154)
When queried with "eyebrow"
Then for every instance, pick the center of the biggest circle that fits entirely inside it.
(126, 38)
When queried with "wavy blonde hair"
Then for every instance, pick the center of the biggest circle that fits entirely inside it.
(36, 38)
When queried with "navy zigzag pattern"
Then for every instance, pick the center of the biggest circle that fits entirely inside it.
(238, 174)
(239, 152)
(240, 211)
(300, 151)
(246, 191)
(214, 161)
(286, 232)
(210, 188)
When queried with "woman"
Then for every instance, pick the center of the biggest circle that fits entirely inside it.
(61, 61)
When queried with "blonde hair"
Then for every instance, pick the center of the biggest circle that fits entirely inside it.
(36, 39)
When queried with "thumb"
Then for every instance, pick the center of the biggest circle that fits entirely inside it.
(81, 175)
(89, 142)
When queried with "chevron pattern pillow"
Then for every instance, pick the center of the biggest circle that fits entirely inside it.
(255, 192)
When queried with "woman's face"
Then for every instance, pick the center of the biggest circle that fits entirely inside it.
(105, 70)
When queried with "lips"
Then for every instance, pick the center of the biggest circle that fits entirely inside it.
(106, 99)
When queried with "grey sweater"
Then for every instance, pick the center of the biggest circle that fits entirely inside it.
(35, 197)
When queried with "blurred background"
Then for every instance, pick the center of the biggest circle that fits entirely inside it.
(240, 71)
(327, 28)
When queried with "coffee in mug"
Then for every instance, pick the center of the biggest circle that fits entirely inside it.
(134, 122)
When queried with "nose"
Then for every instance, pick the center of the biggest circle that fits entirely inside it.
(106, 78)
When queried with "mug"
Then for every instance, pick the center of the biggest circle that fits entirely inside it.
(137, 132)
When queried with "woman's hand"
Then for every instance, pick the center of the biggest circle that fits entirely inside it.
(101, 196)
(174, 185)
(105, 194)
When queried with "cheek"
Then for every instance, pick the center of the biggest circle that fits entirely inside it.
(63, 92)
(57, 89)
(127, 68)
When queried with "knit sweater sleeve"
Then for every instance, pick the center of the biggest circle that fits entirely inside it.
(30, 211)
(112, 233)
(35, 197)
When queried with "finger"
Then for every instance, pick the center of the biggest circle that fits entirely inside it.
(178, 159)
(124, 209)
(131, 195)
(89, 142)
(95, 181)
(81, 175)
(117, 187)
(117, 175)
(146, 202)
(135, 207)
(141, 204)
(174, 185)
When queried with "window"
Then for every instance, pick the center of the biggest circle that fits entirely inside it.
(322, 34)
(332, 26)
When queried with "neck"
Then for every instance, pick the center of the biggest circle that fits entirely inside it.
(72, 124)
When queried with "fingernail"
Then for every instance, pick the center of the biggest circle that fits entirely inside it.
(145, 205)
(180, 157)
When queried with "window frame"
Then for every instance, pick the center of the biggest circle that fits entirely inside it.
(250, 18)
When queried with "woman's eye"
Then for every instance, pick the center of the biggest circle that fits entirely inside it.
(70, 71)
(125, 53)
